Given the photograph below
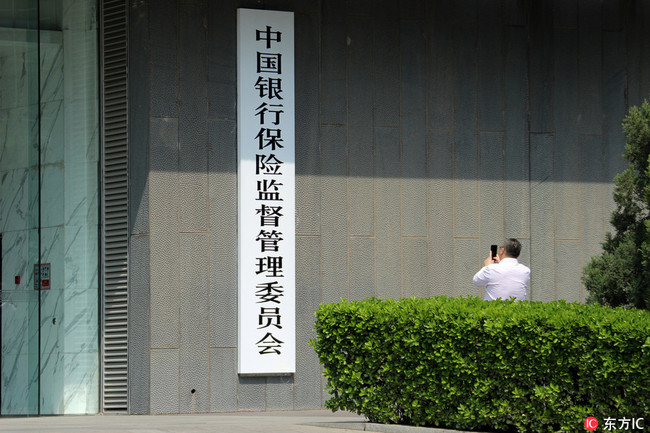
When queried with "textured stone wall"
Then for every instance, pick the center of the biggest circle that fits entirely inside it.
(425, 132)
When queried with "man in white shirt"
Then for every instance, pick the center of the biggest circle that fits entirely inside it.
(503, 276)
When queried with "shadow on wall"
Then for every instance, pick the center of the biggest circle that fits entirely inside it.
(525, 92)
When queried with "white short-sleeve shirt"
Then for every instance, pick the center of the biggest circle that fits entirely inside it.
(504, 280)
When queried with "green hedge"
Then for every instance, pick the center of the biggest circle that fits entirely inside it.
(468, 364)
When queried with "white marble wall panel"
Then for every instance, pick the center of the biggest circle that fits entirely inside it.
(17, 59)
(14, 200)
(81, 131)
(81, 387)
(52, 68)
(80, 333)
(52, 249)
(18, 376)
(80, 90)
(52, 194)
(81, 153)
(52, 134)
(18, 144)
(16, 261)
(69, 358)
(25, 59)
(51, 368)
(8, 76)
(81, 194)
(52, 380)
(80, 261)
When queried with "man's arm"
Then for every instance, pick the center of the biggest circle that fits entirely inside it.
(482, 277)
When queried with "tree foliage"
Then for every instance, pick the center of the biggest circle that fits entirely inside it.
(621, 275)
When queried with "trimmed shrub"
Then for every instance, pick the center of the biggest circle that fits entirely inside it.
(468, 364)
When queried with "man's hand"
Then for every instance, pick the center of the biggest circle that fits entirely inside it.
(490, 260)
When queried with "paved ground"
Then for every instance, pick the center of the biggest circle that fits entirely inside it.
(241, 422)
(314, 421)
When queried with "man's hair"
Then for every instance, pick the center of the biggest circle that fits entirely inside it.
(512, 247)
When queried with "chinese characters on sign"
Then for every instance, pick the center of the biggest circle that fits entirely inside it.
(266, 172)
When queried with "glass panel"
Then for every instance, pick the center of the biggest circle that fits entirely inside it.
(50, 347)
(19, 207)
(69, 207)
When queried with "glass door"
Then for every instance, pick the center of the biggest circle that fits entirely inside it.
(19, 208)
(49, 195)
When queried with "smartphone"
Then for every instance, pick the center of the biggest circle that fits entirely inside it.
(493, 249)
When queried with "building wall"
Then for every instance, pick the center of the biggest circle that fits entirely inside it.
(426, 131)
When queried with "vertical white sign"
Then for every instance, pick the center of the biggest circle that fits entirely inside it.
(266, 172)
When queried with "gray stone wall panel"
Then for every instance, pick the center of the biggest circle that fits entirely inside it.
(466, 11)
(334, 239)
(517, 161)
(590, 69)
(614, 96)
(386, 66)
(360, 8)
(466, 194)
(568, 270)
(307, 384)
(194, 324)
(139, 104)
(567, 154)
(193, 125)
(362, 268)
(139, 333)
(466, 262)
(492, 190)
(164, 59)
(612, 15)
(542, 285)
(360, 128)
(387, 213)
(222, 199)
(565, 14)
(333, 66)
(164, 373)
(251, 393)
(514, 12)
(308, 158)
(223, 380)
(415, 259)
(440, 103)
(413, 129)
(412, 9)
(645, 51)
(490, 52)
(164, 240)
(279, 391)
(541, 66)
(440, 199)
(634, 21)
(222, 59)
(592, 193)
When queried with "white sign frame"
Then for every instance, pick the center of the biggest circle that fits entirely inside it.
(266, 193)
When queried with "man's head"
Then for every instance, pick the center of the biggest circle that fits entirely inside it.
(510, 248)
